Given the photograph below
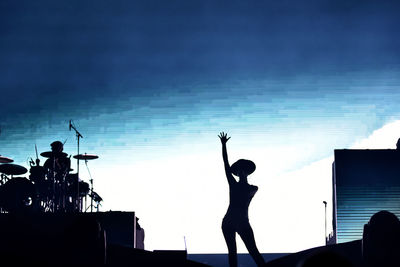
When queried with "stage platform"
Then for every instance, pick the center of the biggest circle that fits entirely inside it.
(78, 239)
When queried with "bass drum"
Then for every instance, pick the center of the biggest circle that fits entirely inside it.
(18, 195)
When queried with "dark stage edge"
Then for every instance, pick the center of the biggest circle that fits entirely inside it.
(221, 259)
(123, 256)
(78, 239)
(350, 250)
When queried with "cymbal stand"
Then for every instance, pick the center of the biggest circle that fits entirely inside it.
(63, 190)
(53, 172)
(98, 206)
(4, 179)
(78, 136)
(96, 201)
(91, 186)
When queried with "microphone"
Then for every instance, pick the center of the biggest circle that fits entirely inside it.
(71, 126)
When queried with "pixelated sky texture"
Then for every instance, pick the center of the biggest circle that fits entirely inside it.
(151, 84)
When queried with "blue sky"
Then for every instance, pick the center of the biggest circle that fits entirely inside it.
(151, 84)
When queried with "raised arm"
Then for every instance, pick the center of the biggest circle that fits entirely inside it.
(223, 137)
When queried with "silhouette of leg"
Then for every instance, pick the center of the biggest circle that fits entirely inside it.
(230, 239)
(246, 233)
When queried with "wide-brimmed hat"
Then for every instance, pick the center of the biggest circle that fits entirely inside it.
(243, 165)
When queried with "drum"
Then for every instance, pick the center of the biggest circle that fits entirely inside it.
(96, 197)
(37, 174)
(72, 178)
(17, 195)
(83, 189)
(72, 187)
(45, 189)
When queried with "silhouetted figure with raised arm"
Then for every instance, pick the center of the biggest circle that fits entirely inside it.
(236, 219)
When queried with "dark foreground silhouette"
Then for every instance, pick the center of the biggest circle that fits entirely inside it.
(379, 247)
(236, 219)
(72, 240)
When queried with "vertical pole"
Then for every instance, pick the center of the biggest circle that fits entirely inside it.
(77, 182)
(325, 223)
(91, 199)
(77, 200)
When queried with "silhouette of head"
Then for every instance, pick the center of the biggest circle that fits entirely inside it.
(381, 240)
(57, 147)
(383, 219)
(243, 167)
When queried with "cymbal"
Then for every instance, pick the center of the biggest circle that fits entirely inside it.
(12, 169)
(5, 160)
(86, 157)
(49, 154)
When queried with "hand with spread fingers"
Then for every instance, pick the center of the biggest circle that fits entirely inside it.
(224, 137)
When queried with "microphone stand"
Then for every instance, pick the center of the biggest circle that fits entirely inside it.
(78, 135)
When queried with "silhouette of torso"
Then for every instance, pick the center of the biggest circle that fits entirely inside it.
(240, 196)
(57, 167)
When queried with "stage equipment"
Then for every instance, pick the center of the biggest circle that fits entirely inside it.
(97, 199)
(50, 188)
(49, 154)
(5, 160)
(87, 157)
(12, 169)
(17, 195)
(57, 167)
(78, 136)
(72, 179)
(53, 239)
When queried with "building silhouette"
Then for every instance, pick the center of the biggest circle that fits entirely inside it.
(364, 183)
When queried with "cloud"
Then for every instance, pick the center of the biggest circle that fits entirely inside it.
(383, 138)
(289, 214)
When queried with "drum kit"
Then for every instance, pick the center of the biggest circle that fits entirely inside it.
(49, 188)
